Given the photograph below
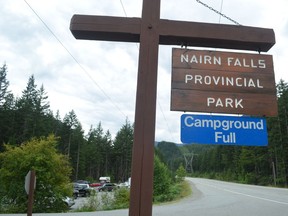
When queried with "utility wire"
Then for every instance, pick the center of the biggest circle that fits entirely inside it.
(218, 12)
(221, 7)
(77, 62)
(85, 71)
(169, 129)
(123, 8)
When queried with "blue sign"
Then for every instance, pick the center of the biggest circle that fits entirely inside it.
(223, 130)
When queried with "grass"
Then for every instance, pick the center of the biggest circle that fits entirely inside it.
(182, 190)
(185, 190)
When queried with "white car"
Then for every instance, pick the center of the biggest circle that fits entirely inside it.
(123, 185)
(69, 201)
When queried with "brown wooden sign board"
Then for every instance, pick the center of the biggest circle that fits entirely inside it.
(223, 82)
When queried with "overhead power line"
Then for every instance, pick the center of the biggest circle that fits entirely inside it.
(86, 72)
(218, 12)
(77, 62)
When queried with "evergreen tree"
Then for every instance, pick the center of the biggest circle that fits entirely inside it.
(278, 145)
(107, 154)
(172, 155)
(31, 108)
(4, 84)
(72, 140)
(162, 181)
(70, 122)
(42, 105)
(122, 152)
(7, 111)
(94, 148)
(76, 155)
(180, 173)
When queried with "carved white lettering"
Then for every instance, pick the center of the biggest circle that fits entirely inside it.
(247, 63)
(216, 60)
(188, 77)
(226, 102)
(222, 81)
(200, 59)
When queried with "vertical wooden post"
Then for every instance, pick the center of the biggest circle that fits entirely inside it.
(31, 193)
(144, 131)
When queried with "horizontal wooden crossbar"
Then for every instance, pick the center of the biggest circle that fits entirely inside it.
(107, 28)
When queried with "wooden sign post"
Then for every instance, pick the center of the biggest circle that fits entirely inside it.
(151, 31)
(30, 183)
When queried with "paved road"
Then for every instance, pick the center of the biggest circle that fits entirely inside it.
(214, 198)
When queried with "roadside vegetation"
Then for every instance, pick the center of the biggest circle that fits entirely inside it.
(167, 188)
(119, 199)
(52, 176)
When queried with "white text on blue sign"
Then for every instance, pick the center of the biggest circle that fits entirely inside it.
(225, 130)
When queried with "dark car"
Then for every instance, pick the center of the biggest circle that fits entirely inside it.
(107, 187)
(75, 193)
(83, 182)
(83, 189)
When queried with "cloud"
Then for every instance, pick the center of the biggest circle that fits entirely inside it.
(97, 79)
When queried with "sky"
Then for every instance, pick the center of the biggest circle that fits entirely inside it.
(97, 79)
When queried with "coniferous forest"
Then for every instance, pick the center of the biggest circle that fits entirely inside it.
(91, 155)
(96, 154)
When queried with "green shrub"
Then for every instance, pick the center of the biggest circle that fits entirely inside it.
(121, 198)
(180, 173)
(107, 200)
(93, 203)
(162, 180)
(52, 176)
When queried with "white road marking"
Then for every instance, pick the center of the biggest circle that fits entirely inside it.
(243, 194)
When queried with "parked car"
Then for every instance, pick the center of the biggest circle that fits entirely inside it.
(83, 189)
(123, 185)
(82, 182)
(69, 201)
(107, 187)
(75, 193)
(76, 186)
(95, 185)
